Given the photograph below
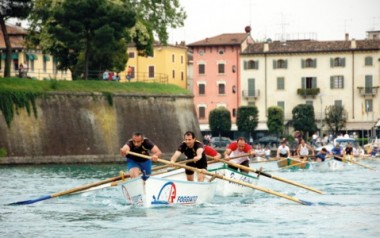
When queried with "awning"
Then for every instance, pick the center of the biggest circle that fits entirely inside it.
(261, 126)
(46, 58)
(31, 56)
(377, 124)
(14, 56)
(359, 126)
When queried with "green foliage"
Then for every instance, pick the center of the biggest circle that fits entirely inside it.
(12, 100)
(336, 117)
(275, 121)
(308, 91)
(220, 121)
(3, 152)
(247, 118)
(109, 97)
(304, 118)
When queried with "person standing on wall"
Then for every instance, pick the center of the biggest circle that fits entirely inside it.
(141, 145)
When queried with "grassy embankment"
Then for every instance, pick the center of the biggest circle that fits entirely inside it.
(37, 86)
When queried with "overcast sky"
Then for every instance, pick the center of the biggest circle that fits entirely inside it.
(276, 19)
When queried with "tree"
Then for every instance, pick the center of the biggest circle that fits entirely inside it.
(8, 9)
(304, 118)
(93, 35)
(247, 118)
(336, 117)
(220, 121)
(275, 121)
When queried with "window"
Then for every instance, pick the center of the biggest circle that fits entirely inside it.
(368, 61)
(337, 81)
(181, 59)
(173, 58)
(280, 83)
(251, 64)
(202, 112)
(234, 112)
(280, 64)
(337, 62)
(151, 71)
(221, 68)
(281, 104)
(251, 88)
(221, 51)
(182, 78)
(309, 82)
(201, 52)
(173, 74)
(309, 63)
(368, 105)
(338, 103)
(308, 102)
(221, 89)
(234, 89)
(201, 69)
(368, 84)
(201, 89)
(131, 55)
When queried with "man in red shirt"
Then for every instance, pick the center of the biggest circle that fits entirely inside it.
(238, 148)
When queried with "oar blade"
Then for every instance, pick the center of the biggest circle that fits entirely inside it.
(26, 202)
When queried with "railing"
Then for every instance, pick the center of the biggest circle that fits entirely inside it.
(368, 91)
(40, 74)
(308, 92)
(251, 94)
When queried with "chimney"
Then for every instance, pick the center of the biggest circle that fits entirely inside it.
(353, 44)
(347, 36)
(266, 47)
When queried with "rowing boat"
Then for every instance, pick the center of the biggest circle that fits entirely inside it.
(291, 163)
(226, 188)
(163, 190)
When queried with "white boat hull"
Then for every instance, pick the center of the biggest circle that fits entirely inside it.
(163, 191)
(227, 188)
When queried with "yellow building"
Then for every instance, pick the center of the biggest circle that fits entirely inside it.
(167, 65)
(31, 63)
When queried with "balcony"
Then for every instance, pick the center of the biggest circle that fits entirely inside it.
(251, 94)
(368, 91)
(308, 92)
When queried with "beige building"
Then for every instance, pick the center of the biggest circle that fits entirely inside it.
(30, 63)
(167, 65)
(320, 73)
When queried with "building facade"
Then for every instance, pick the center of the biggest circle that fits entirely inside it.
(216, 75)
(167, 65)
(289, 73)
(30, 63)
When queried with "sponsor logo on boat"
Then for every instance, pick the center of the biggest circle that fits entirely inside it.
(241, 178)
(187, 199)
(166, 194)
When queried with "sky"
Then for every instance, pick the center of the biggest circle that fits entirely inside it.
(278, 19)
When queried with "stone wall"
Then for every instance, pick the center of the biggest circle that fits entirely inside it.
(82, 124)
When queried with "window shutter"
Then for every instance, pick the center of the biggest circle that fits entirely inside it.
(331, 62)
(286, 64)
(303, 82)
(256, 64)
(302, 63)
(245, 64)
(315, 63)
(274, 64)
(342, 81)
(314, 82)
(331, 82)
(343, 62)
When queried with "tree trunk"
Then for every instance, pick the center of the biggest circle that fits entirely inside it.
(8, 61)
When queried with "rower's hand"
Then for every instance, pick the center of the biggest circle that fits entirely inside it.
(196, 158)
(123, 152)
(154, 158)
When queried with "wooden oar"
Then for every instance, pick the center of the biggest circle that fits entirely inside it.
(271, 176)
(351, 161)
(227, 179)
(72, 190)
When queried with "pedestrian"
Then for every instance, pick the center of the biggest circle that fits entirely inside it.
(105, 75)
(141, 145)
(129, 73)
(283, 150)
(237, 148)
(192, 149)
